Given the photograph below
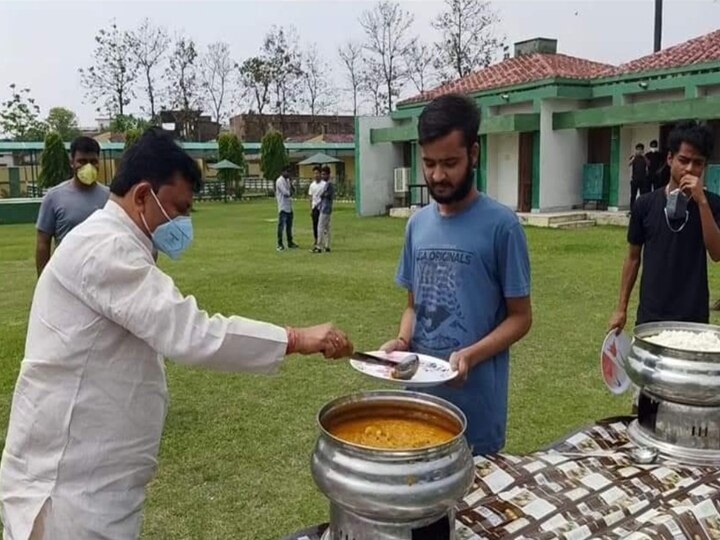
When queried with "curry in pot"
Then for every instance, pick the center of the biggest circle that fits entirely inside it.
(392, 433)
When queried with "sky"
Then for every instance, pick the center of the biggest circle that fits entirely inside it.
(42, 44)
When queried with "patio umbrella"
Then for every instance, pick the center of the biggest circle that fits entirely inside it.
(223, 165)
(319, 159)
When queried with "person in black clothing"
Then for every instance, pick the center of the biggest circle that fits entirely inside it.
(655, 162)
(672, 231)
(639, 178)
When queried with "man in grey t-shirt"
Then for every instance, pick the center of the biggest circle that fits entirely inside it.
(68, 204)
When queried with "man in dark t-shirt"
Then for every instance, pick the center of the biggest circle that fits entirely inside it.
(673, 240)
(639, 182)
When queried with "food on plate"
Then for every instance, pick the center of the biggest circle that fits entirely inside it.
(687, 341)
(392, 433)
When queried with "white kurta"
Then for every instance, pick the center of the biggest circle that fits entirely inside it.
(90, 402)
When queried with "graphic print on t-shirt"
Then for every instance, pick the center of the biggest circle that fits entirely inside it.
(440, 324)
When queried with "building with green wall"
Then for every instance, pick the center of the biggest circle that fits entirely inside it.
(556, 131)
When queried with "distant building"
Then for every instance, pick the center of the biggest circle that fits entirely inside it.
(190, 125)
(252, 127)
(556, 131)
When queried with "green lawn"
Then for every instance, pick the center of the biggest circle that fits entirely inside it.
(235, 457)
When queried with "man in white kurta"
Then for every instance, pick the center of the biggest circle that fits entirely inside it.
(90, 402)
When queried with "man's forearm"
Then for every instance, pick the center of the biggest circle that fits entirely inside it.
(42, 256)
(711, 232)
(510, 331)
(629, 277)
(407, 324)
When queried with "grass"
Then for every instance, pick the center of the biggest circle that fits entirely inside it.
(234, 460)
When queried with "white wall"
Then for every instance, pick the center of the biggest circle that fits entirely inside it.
(503, 168)
(629, 137)
(512, 108)
(660, 95)
(563, 153)
(377, 163)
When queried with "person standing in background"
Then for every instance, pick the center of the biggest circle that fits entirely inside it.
(654, 162)
(639, 175)
(326, 207)
(283, 194)
(67, 205)
(314, 192)
(672, 233)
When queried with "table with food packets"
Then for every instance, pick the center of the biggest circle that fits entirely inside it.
(601, 481)
(585, 486)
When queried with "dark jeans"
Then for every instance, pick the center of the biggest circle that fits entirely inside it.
(285, 221)
(315, 220)
(635, 187)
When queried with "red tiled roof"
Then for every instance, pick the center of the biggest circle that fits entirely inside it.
(339, 138)
(695, 51)
(536, 67)
(328, 138)
(519, 70)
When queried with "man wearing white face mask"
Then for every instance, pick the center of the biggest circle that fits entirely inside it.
(90, 401)
(67, 205)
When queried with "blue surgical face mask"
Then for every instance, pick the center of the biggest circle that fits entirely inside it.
(172, 237)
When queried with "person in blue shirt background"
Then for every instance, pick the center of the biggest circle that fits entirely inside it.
(466, 268)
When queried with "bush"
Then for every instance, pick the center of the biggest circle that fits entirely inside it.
(54, 162)
(230, 148)
(273, 156)
(131, 137)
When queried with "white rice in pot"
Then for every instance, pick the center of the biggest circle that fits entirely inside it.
(687, 341)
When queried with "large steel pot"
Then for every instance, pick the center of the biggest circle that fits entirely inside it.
(681, 376)
(377, 493)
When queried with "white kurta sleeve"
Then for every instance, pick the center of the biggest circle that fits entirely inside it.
(135, 294)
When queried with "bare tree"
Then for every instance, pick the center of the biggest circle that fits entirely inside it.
(184, 87)
(216, 69)
(350, 55)
(148, 45)
(112, 78)
(315, 74)
(468, 41)
(256, 79)
(420, 61)
(387, 27)
(281, 51)
(372, 83)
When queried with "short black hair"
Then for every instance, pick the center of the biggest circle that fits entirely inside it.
(446, 114)
(317, 168)
(326, 169)
(87, 145)
(639, 146)
(155, 158)
(653, 143)
(693, 133)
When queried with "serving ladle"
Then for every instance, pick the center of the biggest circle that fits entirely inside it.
(403, 370)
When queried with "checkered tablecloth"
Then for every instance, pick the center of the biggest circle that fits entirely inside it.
(585, 486)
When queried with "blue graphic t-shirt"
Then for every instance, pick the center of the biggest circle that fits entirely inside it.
(461, 268)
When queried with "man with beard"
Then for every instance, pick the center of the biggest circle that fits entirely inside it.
(465, 266)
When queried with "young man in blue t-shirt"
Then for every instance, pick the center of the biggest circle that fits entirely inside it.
(466, 268)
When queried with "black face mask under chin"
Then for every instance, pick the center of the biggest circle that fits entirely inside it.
(676, 209)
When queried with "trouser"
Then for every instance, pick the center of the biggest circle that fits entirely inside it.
(315, 221)
(324, 231)
(285, 221)
(635, 188)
